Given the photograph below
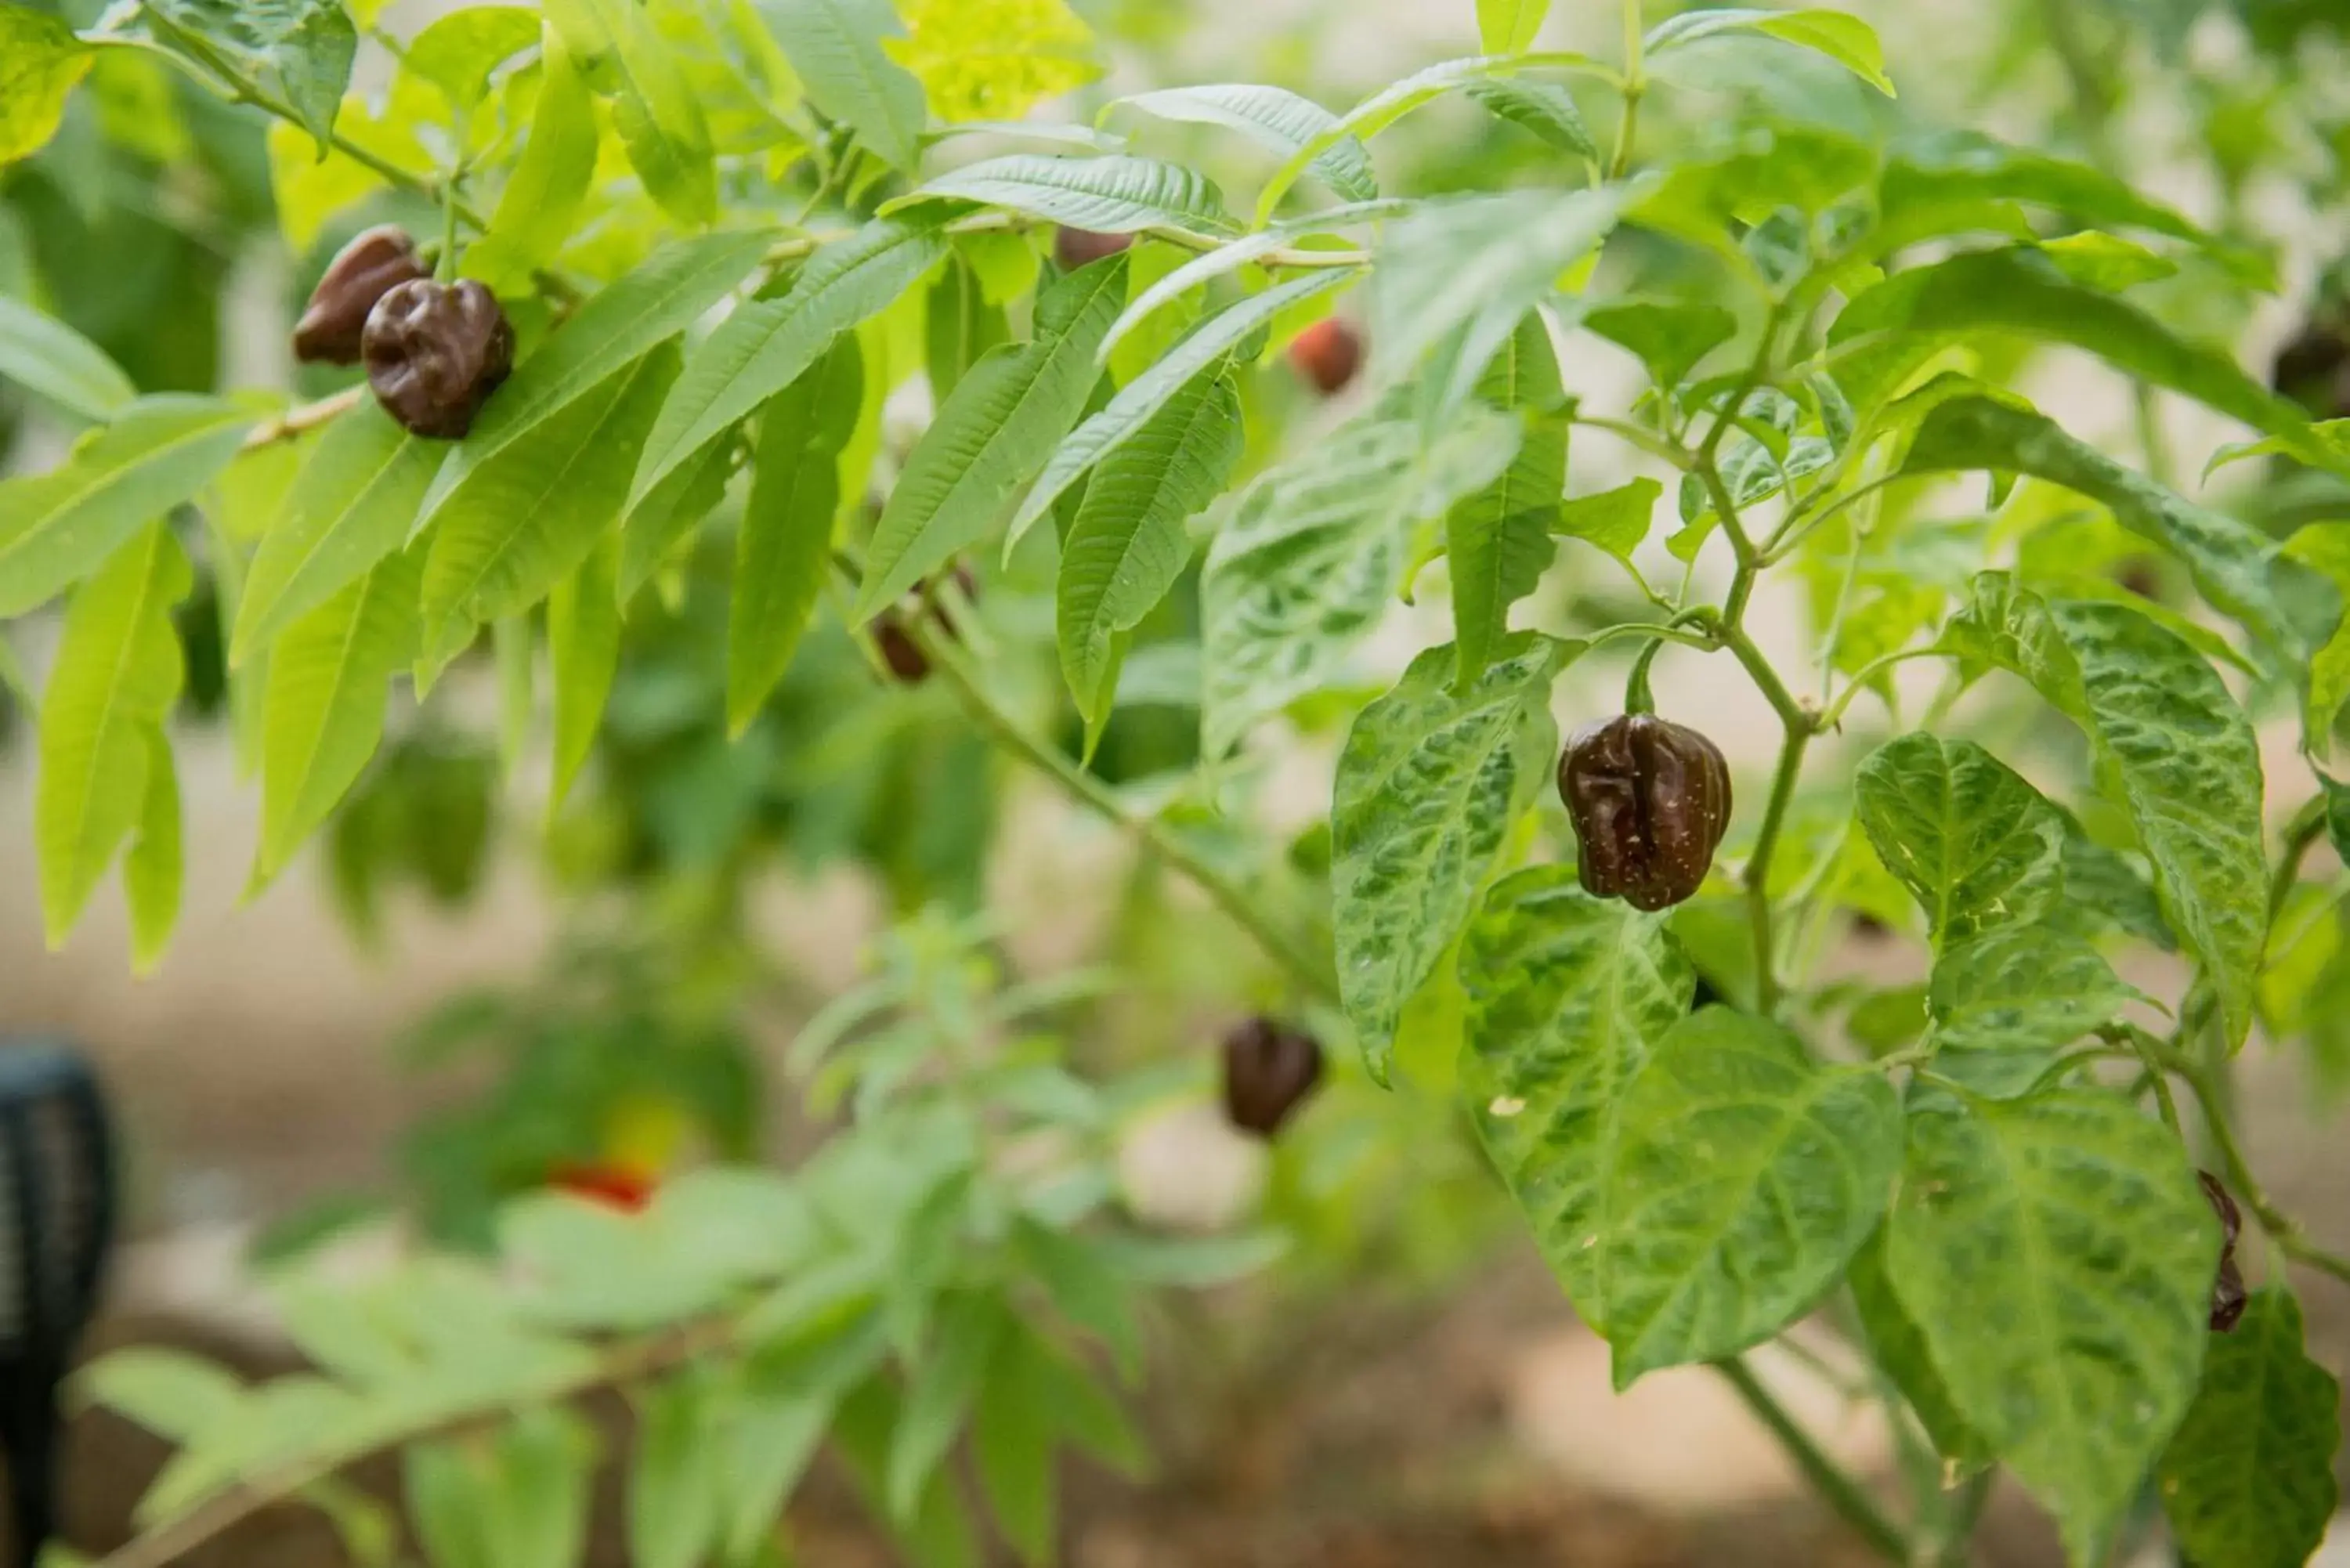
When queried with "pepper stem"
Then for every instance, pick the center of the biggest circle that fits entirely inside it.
(1638, 698)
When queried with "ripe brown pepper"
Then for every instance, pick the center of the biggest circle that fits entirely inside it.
(435, 352)
(1328, 354)
(333, 324)
(1270, 1068)
(893, 637)
(1075, 248)
(1649, 801)
(2227, 1294)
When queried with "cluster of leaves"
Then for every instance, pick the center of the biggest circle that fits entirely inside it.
(1828, 319)
(953, 1264)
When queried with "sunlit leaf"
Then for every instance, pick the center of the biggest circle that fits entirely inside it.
(41, 62)
(46, 357)
(660, 120)
(1274, 118)
(836, 46)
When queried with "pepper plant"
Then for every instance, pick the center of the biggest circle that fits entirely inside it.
(722, 238)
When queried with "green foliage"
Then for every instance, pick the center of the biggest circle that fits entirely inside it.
(2249, 1477)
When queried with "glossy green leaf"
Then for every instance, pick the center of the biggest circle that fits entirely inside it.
(2249, 1480)
(41, 62)
(2014, 995)
(783, 547)
(657, 523)
(1545, 109)
(1842, 37)
(992, 435)
(50, 359)
(1130, 541)
(329, 679)
(1616, 520)
(58, 527)
(1314, 553)
(1508, 27)
(1978, 846)
(675, 1492)
(118, 673)
(351, 506)
(939, 1400)
(660, 120)
(1431, 781)
(2171, 745)
(620, 324)
(1115, 194)
(1273, 118)
(766, 345)
(583, 650)
(518, 525)
(959, 324)
(1568, 996)
(835, 48)
(308, 45)
(154, 870)
(1127, 412)
(1746, 1176)
(540, 204)
(1497, 542)
(2008, 1217)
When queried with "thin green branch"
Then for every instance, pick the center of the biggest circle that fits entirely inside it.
(1833, 714)
(1633, 86)
(1843, 1494)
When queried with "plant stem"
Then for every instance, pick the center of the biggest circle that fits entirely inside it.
(1833, 714)
(2281, 1228)
(304, 417)
(1843, 1494)
(1758, 867)
(1636, 83)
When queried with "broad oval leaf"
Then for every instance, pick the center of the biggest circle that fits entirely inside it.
(1568, 995)
(2249, 1480)
(2008, 1217)
(992, 434)
(1429, 784)
(1275, 118)
(50, 359)
(1130, 542)
(1497, 542)
(1745, 1177)
(1111, 195)
(835, 48)
(765, 346)
(2011, 996)
(618, 325)
(1900, 1352)
(1616, 520)
(351, 506)
(60, 526)
(1977, 845)
(2178, 751)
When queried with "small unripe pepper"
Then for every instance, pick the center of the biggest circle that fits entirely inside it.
(1075, 248)
(2227, 1294)
(1269, 1070)
(1328, 354)
(435, 352)
(335, 321)
(1649, 801)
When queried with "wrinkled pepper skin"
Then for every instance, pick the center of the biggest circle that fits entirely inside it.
(334, 323)
(2227, 1294)
(1270, 1069)
(435, 352)
(1649, 801)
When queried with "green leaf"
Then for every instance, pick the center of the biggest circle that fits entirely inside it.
(154, 870)
(959, 324)
(2171, 745)
(2008, 1217)
(1430, 783)
(1669, 336)
(118, 673)
(992, 434)
(1130, 541)
(1307, 566)
(519, 525)
(784, 548)
(1498, 541)
(1127, 412)
(58, 527)
(772, 1437)
(1568, 995)
(835, 48)
(1273, 118)
(1616, 520)
(618, 325)
(583, 648)
(2016, 994)
(329, 679)
(2290, 606)
(450, 1493)
(459, 52)
(172, 1393)
(2106, 262)
(50, 359)
(1114, 194)
(1845, 39)
(654, 108)
(1508, 27)
(1013, 1433)
(1541, 108)
(651, 532)
(514, 644)
(350, 506)
(1978, 846)
(1900, 1352)
(938, 1399)
(1197, 271)
(538, 1515)
(307, 45)
(675, 1493)
(1463, 271)
(766, 345)
(1084, 1287)
(540, 204)
(2325, 548)
(2249, 1480)
(41, 62)
(1746, 1176)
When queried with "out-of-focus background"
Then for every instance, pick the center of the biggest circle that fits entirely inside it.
(1416, 1391)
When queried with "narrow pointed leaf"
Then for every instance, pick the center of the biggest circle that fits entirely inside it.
(654, 108)
(655, 524)
(50, 359)
(1498, 541)
(1116, 194)
(541, 201)
(155, 869)
(1277, 118)
(835, 48)
(1841, 37)
(583, 651)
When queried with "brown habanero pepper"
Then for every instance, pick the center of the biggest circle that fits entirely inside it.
(333, 324)
(435, 352)
(1270, 1068)
(2228, 1295)
(1649, 801)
